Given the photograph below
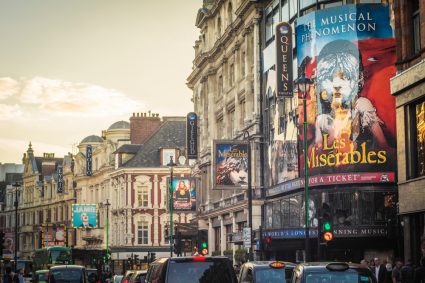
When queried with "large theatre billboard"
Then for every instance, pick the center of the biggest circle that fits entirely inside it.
(349, 53)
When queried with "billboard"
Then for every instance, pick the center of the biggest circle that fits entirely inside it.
(192, 135)
(348, 52)
(9, 245)
(184, 194)
(284, 60)
(53, 236)
(84, 215)
(230, 164)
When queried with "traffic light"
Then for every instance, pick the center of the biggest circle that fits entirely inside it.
(326, 224)
(267, 243)
(203, 242)
(136, 259)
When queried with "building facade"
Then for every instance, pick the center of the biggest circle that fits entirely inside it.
(408, 87)
(227, 100)
(361, 198)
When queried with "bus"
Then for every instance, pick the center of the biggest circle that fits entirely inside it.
(50, 256)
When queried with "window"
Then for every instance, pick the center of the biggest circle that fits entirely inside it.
(420, 138)
(231, 75)
(217, 238)
(220, 86)
(142, 233)
(143, 196)
(416, 27)
(242, 106)
(243, 55)
(231, 122)
(228, 233)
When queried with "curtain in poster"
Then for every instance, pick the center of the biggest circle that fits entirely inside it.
(184, 194)
(230, 166)
(349, 53)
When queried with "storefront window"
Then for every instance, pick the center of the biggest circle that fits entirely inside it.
(420, 138)
(276, 215)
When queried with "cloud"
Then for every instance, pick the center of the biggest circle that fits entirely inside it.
(8, 87)
(10, 112)
(64, 98)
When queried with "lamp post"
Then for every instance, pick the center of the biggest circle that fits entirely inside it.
(302, 83)
(171, 164)
(16, 186)
(107, 204)
(246, 135)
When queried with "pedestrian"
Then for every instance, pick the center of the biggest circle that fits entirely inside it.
(19, 276)
(379, 270)
(364, 263)
(389, 270)
(407, 272)
(396, 273)
(7, 276)
(419, 273)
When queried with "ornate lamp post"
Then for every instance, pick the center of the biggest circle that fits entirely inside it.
(171, 164)
(107, 204)
(302, 83)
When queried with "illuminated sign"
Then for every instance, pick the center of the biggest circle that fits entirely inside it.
(192, 135)
(84, 215)
(284, 60)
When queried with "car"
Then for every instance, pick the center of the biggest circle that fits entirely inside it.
(117, 278)
(266, 271)
(138, 277)
(196, 269)
(69, 274)
(41, 276)
(330, 272)
(127, 276)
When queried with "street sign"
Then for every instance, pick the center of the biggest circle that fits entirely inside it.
(247, 237)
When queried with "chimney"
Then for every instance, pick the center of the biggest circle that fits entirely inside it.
(142, 126)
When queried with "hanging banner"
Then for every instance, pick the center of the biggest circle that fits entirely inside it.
(89, 171)
(349, 53)
(84, 215)
(284, 60)
(184, 194)
(192, 135)
(230, 164)
(60, 179)
(9, 245)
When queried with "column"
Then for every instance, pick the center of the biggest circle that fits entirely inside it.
(234, 231)
(223, 239)
(211, 238)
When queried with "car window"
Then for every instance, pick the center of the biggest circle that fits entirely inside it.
(66, 276)
(198, 272)
(270, 275)
(42, 276)
(337, 277)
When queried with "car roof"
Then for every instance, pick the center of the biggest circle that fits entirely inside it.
(67, 267)
(41, 271)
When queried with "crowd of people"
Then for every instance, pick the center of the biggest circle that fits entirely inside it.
(11, 277)
(398, 272)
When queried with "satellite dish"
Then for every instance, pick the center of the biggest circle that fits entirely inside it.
(182, 159)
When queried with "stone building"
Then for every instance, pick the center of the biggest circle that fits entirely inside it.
(225, 81)
(409, 89)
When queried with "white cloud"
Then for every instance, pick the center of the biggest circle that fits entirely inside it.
(63, 98)
(10, 112)
(8, 87)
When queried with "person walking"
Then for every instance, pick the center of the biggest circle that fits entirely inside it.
(396, 273)
(19, 276)
(7, 277)
(380, 270)
(407, 272)
(389, 270)
(419, 273)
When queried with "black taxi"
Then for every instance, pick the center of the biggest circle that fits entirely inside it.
(266, 271)
(332, 272)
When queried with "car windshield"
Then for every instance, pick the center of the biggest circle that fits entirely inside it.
(118, 278)
(42, 276)
(270, 275)
(66, 276)
(337, 277)
(198, 272)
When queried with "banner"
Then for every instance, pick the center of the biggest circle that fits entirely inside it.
(349, 53)
(9, 245)
(230, 164)
(84, 215)
(284, 60)
(89, 171)
(192, 135)
(60, 179)
(184, 194)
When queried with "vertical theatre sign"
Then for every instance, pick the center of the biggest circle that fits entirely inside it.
(89, 171)
(349, 53)
(192, 135)
(230, 164)
(60, 179)
(284, 60)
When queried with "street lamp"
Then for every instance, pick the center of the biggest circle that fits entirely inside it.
(302, 83)
(171, 164)
(16, 186)
(245, 136)
(107, 204)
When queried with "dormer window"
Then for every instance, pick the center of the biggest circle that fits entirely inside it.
(166, 153)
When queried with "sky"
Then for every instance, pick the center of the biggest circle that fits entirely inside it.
(71, 68)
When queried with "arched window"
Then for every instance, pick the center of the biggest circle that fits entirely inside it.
(218, 27)
(230, 13)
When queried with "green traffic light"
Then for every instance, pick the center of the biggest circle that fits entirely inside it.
(327, 226)
(204, 245)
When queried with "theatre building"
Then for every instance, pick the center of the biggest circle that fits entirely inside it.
(341, 116)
